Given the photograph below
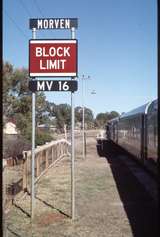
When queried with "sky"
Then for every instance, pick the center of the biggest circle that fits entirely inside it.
(117, 48)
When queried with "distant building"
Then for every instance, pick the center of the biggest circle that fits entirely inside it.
(43, 127)
(46, 127)
(10, 129)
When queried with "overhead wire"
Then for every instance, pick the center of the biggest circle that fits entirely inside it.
(39, 9)
(26, 9)
(17, 26)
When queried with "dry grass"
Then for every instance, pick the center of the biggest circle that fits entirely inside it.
(99, 210)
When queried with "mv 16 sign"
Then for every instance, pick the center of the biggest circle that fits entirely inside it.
(57, 58)
(60, 85)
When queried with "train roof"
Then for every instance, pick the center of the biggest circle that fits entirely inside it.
(143, 109)
(140, 110)
(113, 120)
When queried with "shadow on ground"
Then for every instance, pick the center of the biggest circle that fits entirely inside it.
(141, 209)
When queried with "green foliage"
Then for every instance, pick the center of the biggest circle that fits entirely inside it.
(17, 101)
(102, 118)
(43, 137)
(78, 114)
(63, 116)
(88, 116)
(112, 114)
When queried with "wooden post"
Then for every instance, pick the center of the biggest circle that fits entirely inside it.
(47, 163)
(25, 171)
(56, 150)
(52, 154)
(59, 149)
(38, 155)
(39, 161)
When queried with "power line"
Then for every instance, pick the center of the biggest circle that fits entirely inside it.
(39, 9)
(17, 26)
(26, 9)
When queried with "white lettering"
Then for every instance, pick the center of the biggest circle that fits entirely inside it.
(62, 23)
(40, 85)
(51, 22)
(40, 24)
(45, 24)
(44, 52)
(58, 53)
(56, 23)
(38, 52)
(66, 51)
(67, 23)
(52, 64)
(41, 66)
(63, 61)
(49, 84)
(52, 51)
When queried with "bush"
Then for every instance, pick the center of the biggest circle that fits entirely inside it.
(14, 145)
(43, 137)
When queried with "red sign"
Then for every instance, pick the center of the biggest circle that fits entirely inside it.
(53, 58)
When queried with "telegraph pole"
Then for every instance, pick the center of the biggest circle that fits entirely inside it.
(73, 36)
(83, 113)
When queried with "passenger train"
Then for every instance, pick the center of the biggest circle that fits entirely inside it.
(137, 132)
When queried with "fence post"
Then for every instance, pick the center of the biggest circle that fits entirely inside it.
(47, 164)
(57, 151)
(25, 171)
(37, 164)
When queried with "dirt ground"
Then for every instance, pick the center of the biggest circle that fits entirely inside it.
(109, 202)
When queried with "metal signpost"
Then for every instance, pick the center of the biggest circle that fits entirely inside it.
(73, 36)
(33, 143)
(53, 58)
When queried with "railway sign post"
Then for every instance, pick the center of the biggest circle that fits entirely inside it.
(53, 58)
(33, 144)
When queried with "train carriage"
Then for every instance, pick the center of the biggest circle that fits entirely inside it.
(131, 132)
(112, 129)
(136, 132)
(152, 130)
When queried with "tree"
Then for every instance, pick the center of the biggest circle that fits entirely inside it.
(63, 116)
(112, 114)
(17, 100)
(101, 119)
(14, 146)
(8, 98)
(88, 116)
(78, 114)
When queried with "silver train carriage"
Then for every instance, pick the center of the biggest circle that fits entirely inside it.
(136, 132)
